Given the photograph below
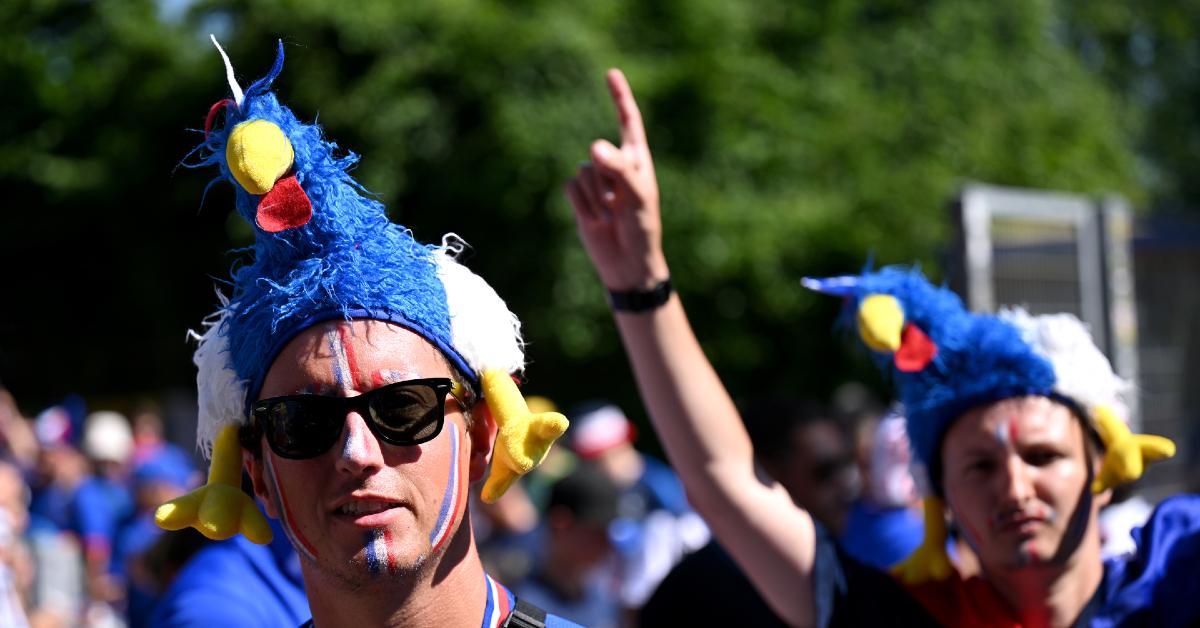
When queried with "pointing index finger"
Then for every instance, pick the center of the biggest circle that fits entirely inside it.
(632, 131)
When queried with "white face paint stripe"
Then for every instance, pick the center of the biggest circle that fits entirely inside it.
(1002, 432)
(355, 445)
(448, 512)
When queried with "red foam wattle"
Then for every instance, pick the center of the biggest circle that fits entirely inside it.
(916, 350)
(285, 207)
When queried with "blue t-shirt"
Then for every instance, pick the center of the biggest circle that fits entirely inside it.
(236, 583)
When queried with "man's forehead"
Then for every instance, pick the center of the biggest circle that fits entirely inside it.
(352, 353)
(1011, 420)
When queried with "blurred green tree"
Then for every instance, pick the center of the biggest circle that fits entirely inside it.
(791, 139)
(1149, 55)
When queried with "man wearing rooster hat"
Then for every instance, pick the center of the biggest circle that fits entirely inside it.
(1017, 418)
(363, 380)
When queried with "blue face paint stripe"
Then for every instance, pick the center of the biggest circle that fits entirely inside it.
(374, 564)
(441, 527)
(341, 367)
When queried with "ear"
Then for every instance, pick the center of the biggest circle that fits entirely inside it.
(262, 489)
(483, 438)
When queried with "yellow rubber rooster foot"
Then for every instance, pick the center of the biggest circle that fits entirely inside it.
(1126, 454)
(218, 511)
(929, 562)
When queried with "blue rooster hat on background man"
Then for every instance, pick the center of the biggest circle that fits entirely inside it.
(325, 250)
(945, 360)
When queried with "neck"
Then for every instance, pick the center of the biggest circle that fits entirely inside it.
(434, 595)
(1052, 594)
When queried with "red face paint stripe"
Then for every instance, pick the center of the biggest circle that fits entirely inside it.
(458, 509)
(391, 554)
(287, 513)
(351, 360)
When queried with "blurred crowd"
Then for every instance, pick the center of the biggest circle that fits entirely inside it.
(601, 533)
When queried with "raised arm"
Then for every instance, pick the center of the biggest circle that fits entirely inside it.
(616, 203)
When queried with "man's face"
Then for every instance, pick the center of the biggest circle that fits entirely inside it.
(365, 508)
(1014, 473)
(819, 473)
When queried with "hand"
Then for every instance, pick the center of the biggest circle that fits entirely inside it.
(615, 198)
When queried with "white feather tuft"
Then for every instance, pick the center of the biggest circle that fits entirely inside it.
(482, 328)
(1081, 371)
(221, 394)
(233, 84)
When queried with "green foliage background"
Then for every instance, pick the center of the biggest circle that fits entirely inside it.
(791, 139)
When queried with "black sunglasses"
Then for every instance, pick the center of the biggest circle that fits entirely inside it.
(305, 426)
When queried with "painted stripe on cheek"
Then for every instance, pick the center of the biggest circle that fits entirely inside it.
(450, 497)
(285, 513)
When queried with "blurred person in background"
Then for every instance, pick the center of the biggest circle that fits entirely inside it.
(160, 476)
(147, 432)
(884, 525)
(657, 526)
(54, 537)
(103, 501)
(17, 440)
(809, 453)
(16, 566)
(573, 578)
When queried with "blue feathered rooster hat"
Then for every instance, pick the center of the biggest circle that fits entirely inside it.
(324, 249)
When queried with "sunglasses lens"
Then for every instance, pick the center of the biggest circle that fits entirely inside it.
(407, 414)
(302, 427)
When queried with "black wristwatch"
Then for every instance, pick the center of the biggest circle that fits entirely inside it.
(641, 300)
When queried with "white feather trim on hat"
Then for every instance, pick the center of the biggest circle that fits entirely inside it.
(1081, 371)
(483, 329)
(220, 394)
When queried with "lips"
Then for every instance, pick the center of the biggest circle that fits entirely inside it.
(367, 510)
(1018, 521)
(357, 508)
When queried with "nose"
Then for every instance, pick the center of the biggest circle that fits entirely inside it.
(1018, 481)
(360, 452)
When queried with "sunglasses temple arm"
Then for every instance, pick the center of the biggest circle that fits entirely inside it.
(523, 438)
